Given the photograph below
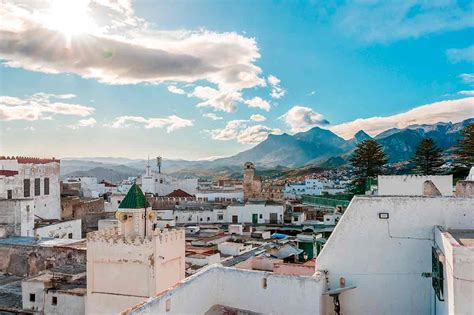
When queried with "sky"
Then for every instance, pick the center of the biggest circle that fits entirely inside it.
(203, 79)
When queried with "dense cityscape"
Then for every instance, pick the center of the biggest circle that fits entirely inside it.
(236, 157)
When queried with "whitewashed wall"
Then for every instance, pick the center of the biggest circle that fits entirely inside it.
(385, 258)
(244, 212)
(412, 185)
(63, 229)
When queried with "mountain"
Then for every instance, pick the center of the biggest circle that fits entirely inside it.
(286, 150)
(314, 148)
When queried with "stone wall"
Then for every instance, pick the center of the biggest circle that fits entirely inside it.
(29, 260)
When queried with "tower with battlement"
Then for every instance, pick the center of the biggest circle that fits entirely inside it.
(128, 264)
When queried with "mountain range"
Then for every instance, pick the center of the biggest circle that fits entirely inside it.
(316, 147)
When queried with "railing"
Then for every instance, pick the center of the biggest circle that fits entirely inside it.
(325, 201)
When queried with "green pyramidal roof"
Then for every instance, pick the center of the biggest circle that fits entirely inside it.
(135, 199)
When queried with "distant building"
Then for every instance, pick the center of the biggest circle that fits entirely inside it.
(133, 262)
(256, 188)
(256, 212)
(161, 184)
(25, 178)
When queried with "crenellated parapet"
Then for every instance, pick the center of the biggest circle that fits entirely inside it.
(114, 236)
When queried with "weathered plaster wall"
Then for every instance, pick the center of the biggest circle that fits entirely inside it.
(256, 291)
(23, 260)
(385, 258)
(65, 229)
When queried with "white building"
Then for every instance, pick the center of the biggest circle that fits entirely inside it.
(387, 255)
(233, 249)
(70, 229)
(194, 216)
(134, 262)
(309, 187)
(32, 178)
(54, 293)
(256, 213)
(412, 185)
(220, 195)
(17, 216)
(162, 184)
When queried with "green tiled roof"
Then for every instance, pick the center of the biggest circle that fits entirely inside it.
(135, 199)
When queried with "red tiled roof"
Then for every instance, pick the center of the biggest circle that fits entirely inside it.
(8, 173)
(178, 193)
(29, 160)
(107, 184)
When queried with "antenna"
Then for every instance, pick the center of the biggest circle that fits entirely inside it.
(158, 163)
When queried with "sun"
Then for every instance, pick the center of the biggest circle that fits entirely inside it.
(72, 18)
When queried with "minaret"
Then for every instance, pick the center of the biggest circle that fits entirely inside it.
(135, 215)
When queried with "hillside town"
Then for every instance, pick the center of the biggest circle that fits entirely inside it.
(157, 244)
(213, 157)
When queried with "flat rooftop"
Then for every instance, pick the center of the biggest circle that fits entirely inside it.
(44, 242)
(463, 237)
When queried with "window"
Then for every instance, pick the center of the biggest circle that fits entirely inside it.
(264, 283)
(200, 219)
(37, 186)
(261, 216)
(208, 219)
(46, 186)
(54, 301)
(220, 217)
(161, 181)
(69, 235)
(32, 297)
(9, 194)
(26, 188)
(118, 201)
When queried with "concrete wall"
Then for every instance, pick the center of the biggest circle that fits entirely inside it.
(66, 229)
(385, 258)
(260, 292)
(412, 185)
(220, 195)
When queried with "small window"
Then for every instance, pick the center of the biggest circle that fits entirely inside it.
(200, 219)
(220, 217)
(264, 283)
(261, 216)
(9, 194)
(26, 188)
(161, 181)
(54, 300)
(46, 186)
(32, 297)
(118, 201)
(37, 186)
(69, 235)
(208, 219)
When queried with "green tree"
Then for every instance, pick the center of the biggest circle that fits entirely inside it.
(428, 158)
(367, 162)
(465, 148)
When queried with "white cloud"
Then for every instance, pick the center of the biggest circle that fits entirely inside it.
(258, 102)
(176, 90)
(387, 21)
(462, 54)
(212, 116)
(40, 106)
(239, 130)
(451, 110)
(123, 49)
(215, 99)
(256, 134)
(276, 90)
(89, 122)
(300, 118)
(258, 117)
(171, 123)
(470, 92)
(467, 77)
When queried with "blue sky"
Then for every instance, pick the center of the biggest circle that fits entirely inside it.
(183, 78)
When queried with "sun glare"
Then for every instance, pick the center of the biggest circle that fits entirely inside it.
(70, 17)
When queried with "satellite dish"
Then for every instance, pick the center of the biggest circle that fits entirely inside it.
(121, 216)
(152, 216)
